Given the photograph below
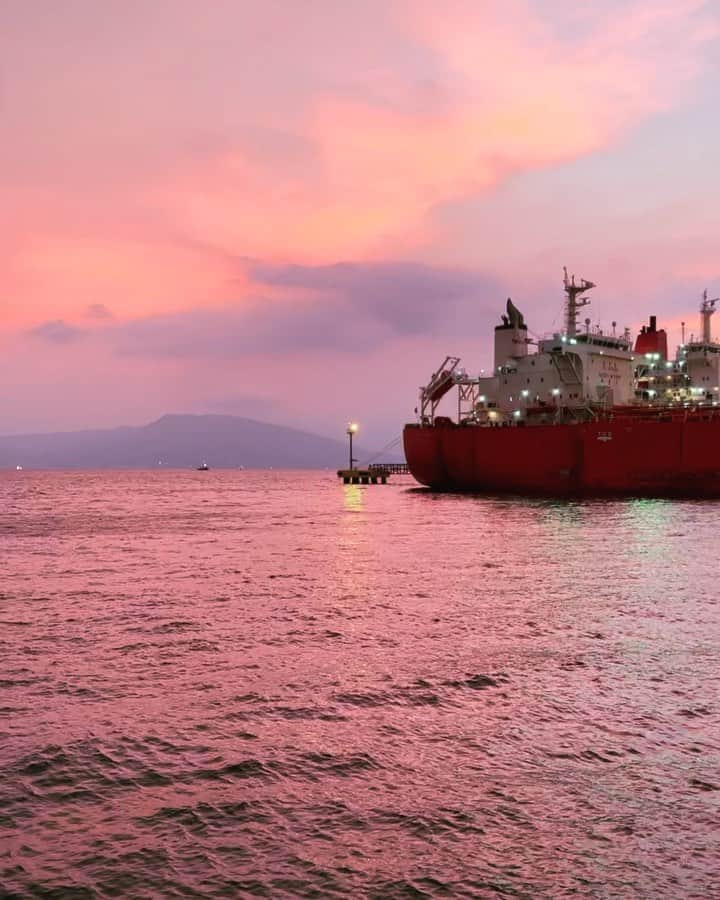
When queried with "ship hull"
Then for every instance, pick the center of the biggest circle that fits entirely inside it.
(621, 456)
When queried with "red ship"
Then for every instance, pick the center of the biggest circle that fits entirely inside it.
(586, 413)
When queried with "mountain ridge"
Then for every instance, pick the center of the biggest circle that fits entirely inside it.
(179, 440)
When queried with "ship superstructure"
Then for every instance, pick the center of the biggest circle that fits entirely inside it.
(574, 380)
(577, 373)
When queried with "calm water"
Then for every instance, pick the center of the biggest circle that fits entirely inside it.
(265, 684)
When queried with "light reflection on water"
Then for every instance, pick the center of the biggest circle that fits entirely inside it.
(239, 683)
(353, 496)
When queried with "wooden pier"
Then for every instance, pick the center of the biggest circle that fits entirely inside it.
(375, 473)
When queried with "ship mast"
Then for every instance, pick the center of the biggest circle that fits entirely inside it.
(574, 300)
(707, 308)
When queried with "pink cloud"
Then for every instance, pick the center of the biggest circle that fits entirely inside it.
(513, 96)
(357, 152)
(152, 148)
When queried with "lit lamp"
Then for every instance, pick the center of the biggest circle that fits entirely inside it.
(351, 430)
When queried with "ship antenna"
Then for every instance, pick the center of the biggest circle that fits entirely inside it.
(707, 308)
(574, 301)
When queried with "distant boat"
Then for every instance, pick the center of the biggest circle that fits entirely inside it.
(203, 468)
(18, 468)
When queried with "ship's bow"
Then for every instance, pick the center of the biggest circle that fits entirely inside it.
(423, 452)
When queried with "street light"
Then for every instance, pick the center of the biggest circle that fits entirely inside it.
(351, 430)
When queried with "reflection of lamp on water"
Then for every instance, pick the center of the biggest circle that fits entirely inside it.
(353, 497)
(351, 430)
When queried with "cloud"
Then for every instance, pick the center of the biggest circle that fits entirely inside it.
(406, 297)
(346, 306)
(499, 92)
(56, 332)
(253, 406)
(98, 311)
(382, 113)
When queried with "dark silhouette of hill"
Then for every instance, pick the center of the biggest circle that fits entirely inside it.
(179, 441)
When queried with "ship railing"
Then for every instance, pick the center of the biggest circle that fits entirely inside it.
(389, 468)
(620, 341)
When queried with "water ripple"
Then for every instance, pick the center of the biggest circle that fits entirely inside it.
(271, 685)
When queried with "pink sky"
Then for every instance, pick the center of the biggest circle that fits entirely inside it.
(294, 209)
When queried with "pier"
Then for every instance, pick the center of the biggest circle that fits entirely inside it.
(375, 473)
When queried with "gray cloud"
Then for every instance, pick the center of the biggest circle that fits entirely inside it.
(269, 327)
(252, 406)
(409, 298)
(352, 307)
(98, 311)
(56, 332)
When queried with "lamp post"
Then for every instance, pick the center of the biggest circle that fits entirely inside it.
(351, 429)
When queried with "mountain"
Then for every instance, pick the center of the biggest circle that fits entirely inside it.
(181, 441)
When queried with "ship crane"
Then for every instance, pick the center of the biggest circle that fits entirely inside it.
(707, 309)
(441, 381)
(574, 301)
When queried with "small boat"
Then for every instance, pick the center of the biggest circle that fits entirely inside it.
(203, 468)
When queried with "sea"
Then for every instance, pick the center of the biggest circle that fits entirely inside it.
(271, 684)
